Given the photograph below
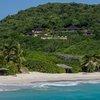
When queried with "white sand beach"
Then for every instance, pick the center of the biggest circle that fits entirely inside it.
(43, 77)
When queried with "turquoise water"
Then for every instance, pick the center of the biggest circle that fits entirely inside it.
(52, 91)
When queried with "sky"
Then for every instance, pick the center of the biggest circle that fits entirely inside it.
(9, 7)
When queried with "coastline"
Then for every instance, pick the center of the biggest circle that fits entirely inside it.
(34, 77)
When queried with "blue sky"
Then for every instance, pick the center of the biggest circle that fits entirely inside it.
(8, 7)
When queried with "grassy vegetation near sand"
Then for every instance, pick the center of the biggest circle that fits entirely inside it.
(43, 62)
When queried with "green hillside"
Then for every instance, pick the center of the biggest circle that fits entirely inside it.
(54, 19)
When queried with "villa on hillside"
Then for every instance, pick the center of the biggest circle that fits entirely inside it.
(29, 33)
(72, 28)
(35, 32)
(88, 33)
(38, 30)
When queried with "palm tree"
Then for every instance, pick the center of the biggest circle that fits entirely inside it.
(97, 61)
(12, 54)
(90, 63)
(19, 56)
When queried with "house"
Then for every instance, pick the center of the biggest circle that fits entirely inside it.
(38, 30)
(3, 71)
(87, 33)
(67, 68)
(34, 32)
(29, 33)
(72, 28)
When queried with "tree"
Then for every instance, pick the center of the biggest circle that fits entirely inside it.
(97, 61)
(90, 63)
(12, 56)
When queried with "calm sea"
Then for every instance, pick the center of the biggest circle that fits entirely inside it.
(73, 90)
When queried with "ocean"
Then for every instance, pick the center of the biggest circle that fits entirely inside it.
(69, 90)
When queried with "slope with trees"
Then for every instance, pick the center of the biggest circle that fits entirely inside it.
(51, 16)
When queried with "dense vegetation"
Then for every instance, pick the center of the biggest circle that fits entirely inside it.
(40, 54)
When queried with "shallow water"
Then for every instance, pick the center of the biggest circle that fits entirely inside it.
(73, 90)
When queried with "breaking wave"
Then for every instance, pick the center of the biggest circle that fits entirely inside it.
(15, 87)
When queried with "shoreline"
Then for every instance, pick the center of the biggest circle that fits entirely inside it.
(36, 77)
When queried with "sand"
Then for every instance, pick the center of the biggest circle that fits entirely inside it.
(43, 77)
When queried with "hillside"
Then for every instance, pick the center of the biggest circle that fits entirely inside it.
(79, 23)
(54, 15)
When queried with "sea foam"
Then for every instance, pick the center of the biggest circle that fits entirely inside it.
(15, 87)
(69, 83)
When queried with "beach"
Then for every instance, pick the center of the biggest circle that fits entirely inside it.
(47, 77)
(45, 86)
